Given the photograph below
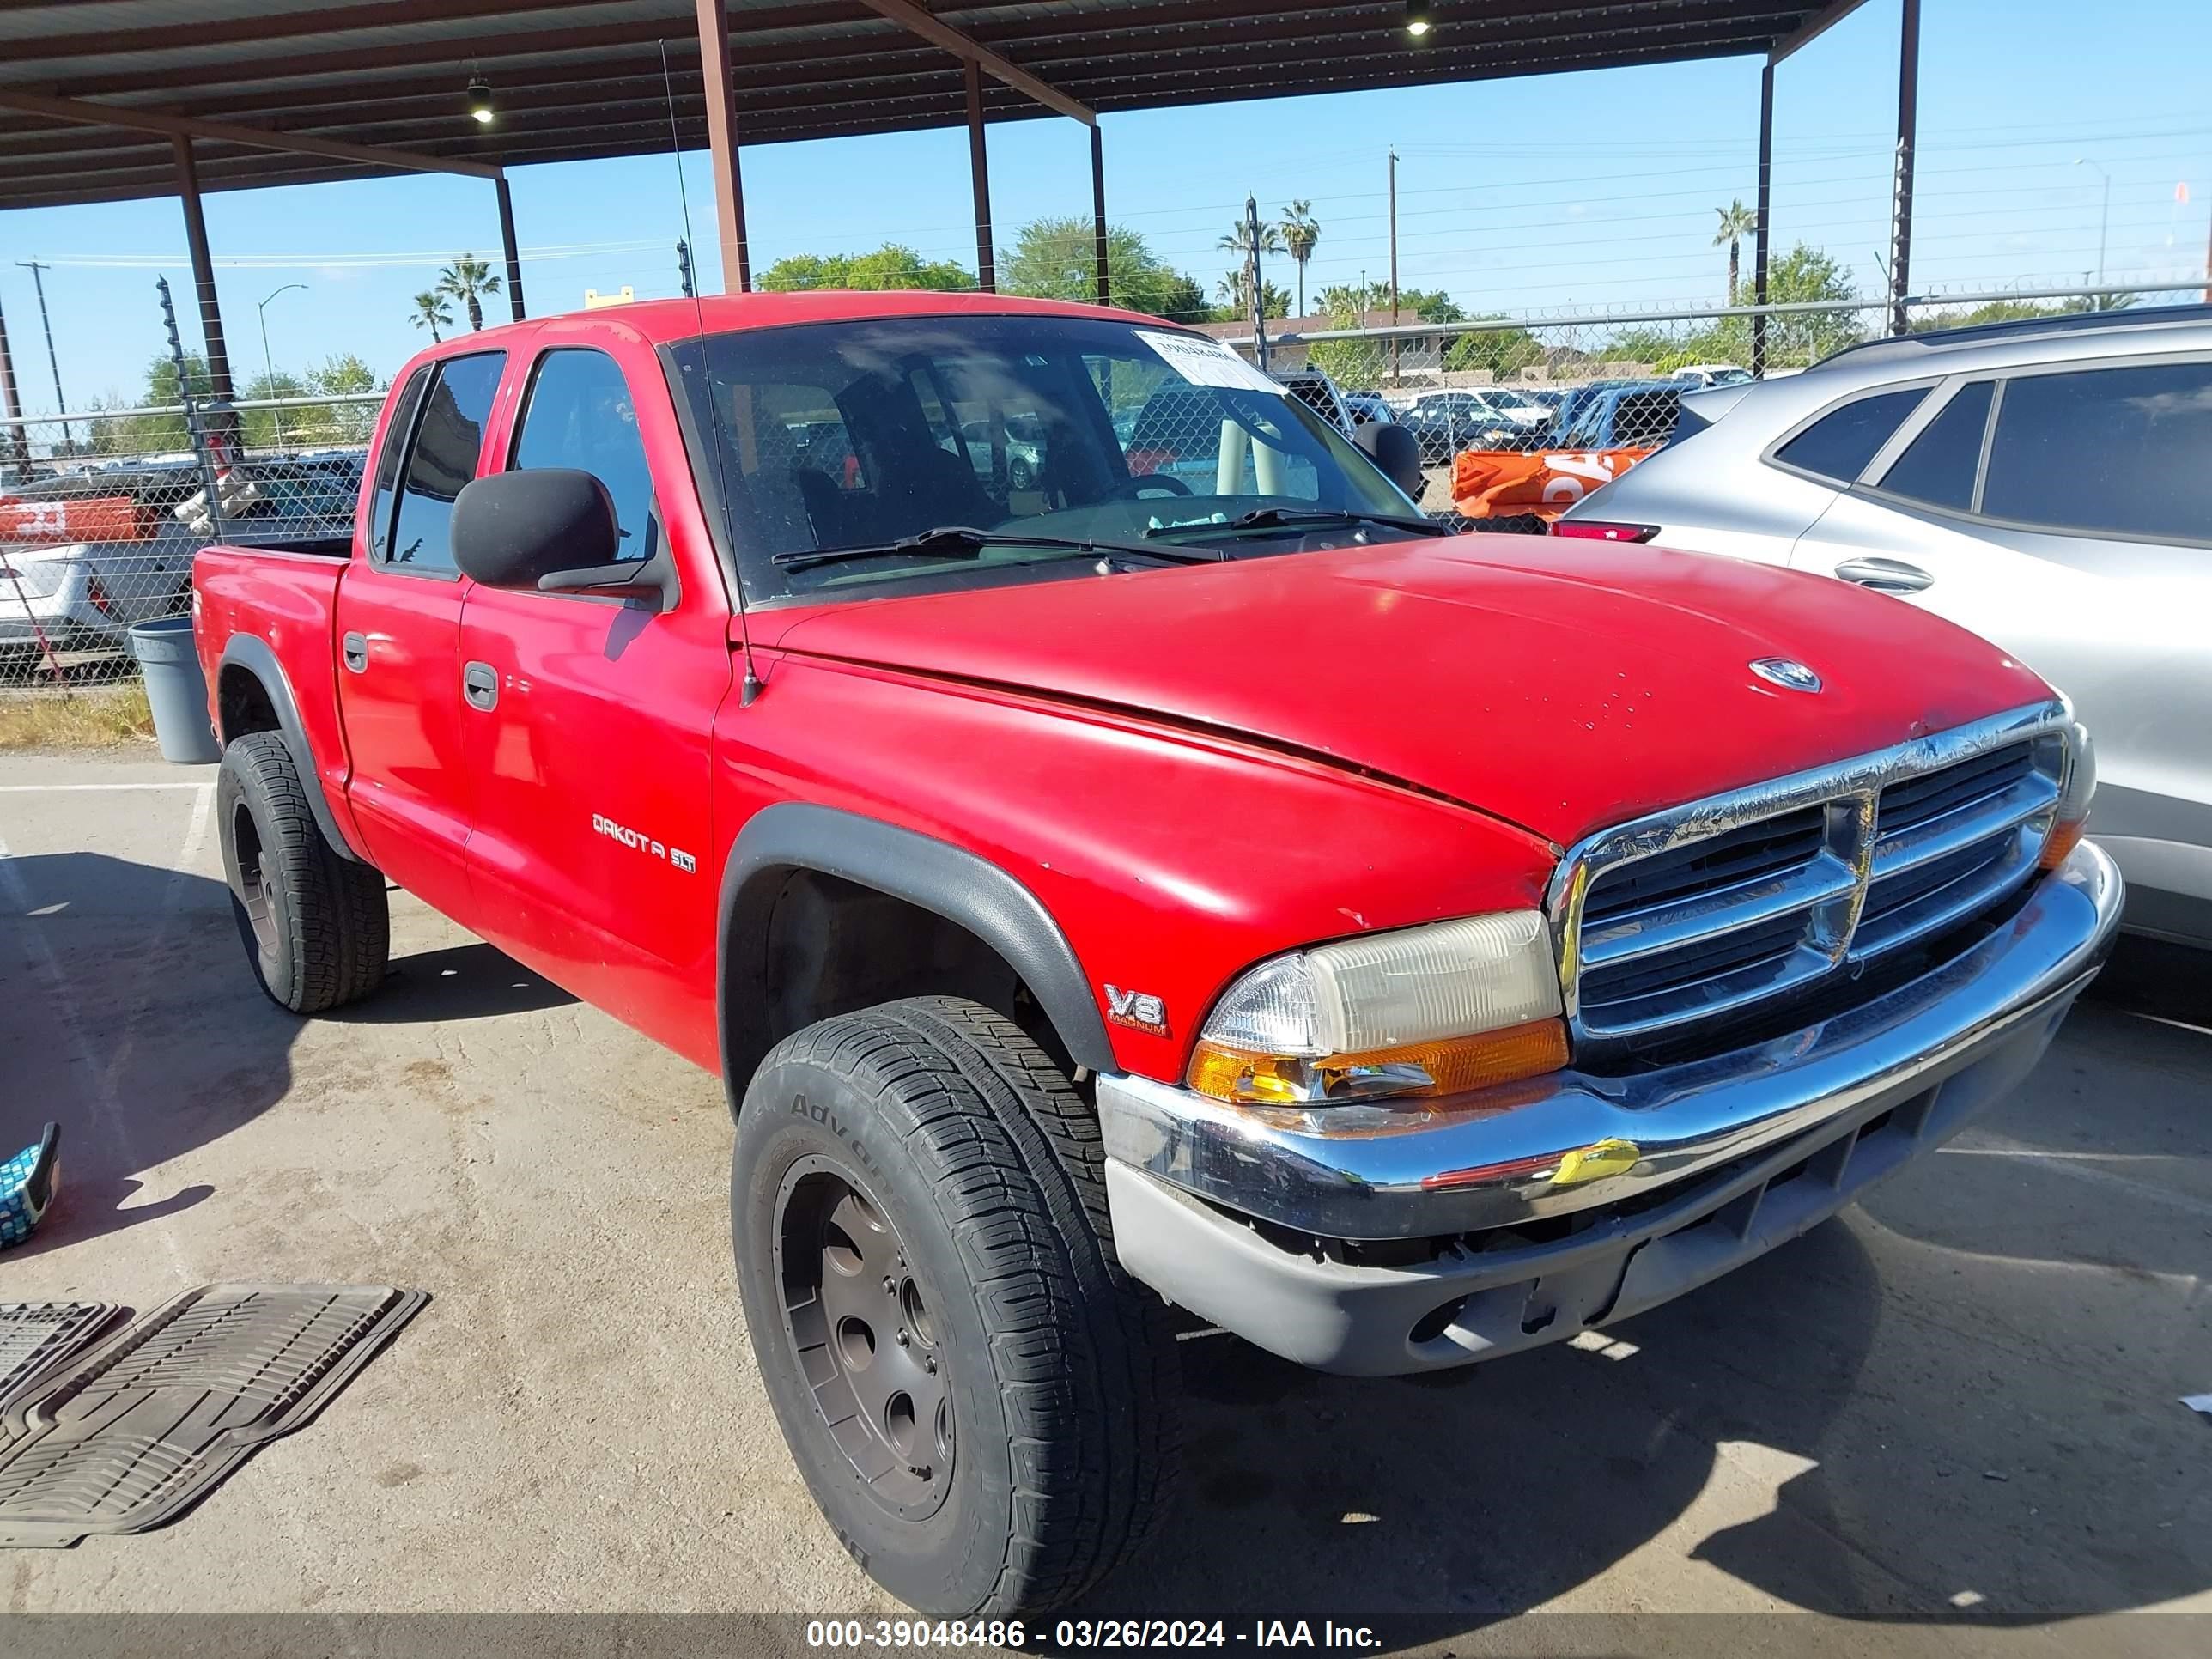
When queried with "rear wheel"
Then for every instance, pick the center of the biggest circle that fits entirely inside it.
(979, 1398)
(314, 923)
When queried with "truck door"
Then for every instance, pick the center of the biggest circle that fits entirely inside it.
(590, 753)
(398, 621)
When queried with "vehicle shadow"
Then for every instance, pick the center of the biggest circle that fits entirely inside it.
(1958, 1400)
(132, 1019)
(461, 981)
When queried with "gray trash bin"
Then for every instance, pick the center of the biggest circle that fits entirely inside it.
(176, 690)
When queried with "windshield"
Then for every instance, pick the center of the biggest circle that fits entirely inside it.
(847, 437)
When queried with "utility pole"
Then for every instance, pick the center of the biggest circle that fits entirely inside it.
(16, 443)
(1393, 263)
(46, 322)
(1256, 294)
(1908, 124)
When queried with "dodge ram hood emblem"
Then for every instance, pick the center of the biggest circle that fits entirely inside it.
(1786, 672)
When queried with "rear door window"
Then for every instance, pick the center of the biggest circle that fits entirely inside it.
(1939, 466)
(2117, 452)
(448, 443)
(396, 433)
(1840, 443)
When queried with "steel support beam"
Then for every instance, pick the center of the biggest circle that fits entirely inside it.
(1908, 122)
(1098, 215)
(1759, 233)
(196, 241)
(979, 169)
(722, 145)
(507, 245)
(182, 127)
(916, 20)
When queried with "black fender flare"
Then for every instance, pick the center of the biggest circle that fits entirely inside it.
(252, 655)
(935, 875)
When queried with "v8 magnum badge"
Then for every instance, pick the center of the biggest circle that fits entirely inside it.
(1138, 1009)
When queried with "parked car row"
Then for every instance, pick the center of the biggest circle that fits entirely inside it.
(119, 553)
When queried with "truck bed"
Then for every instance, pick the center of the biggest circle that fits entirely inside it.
(285, 598)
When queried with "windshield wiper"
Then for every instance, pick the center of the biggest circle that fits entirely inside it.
(960, 541)
(1272, 518)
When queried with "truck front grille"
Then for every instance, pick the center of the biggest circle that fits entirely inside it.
(1731, 907)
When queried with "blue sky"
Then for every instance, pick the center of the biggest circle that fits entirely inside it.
(1560, 191)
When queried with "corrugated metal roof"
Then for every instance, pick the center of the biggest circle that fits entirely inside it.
(581, 78)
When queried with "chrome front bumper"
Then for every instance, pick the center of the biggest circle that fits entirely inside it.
(1707, 1141)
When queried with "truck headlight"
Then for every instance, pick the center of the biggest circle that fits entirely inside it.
(2081, 788)
(1422, 1011)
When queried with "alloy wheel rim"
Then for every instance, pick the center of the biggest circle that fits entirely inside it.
(866, 1337)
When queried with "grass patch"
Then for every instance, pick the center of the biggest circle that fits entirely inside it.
(104, 717)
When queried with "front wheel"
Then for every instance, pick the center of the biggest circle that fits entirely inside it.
(978, 1396)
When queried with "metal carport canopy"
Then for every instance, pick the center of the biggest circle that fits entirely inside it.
(577, 79)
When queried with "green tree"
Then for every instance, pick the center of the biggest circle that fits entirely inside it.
(431, 312)
(1301, 233)
(1505, 351)
(468, 279)
(1055, 258)
(893, 266)
(1737, 222)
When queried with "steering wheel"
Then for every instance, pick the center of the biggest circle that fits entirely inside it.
(1143, 481)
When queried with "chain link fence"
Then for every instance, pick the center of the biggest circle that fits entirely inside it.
(101, 513)
(1516, 412)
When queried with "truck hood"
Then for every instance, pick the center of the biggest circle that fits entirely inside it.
(1562, 685)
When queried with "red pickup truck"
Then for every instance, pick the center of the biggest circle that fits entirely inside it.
(1107, 881)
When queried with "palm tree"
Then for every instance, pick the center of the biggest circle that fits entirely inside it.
(1300, 231)
(1239, 242)
(1737, 222)
(465, 279)
(431, 312)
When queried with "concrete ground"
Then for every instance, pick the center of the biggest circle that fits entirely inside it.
(1961, 1396)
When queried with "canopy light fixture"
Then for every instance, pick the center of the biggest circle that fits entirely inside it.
(480, 106)
(1419, 16)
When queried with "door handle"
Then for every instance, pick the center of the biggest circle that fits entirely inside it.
(480, 685)
(1885, 575)
(357, 652)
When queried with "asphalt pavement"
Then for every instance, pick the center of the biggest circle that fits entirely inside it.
(1948, 1422)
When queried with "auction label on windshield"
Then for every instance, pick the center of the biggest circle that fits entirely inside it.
(1206, 362)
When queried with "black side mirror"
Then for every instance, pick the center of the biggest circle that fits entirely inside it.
(552, 529)
(1396, 453)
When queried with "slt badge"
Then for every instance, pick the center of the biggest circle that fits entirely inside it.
(1786, 672)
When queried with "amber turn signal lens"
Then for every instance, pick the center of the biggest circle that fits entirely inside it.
(1451, 1066)
(2065, 837)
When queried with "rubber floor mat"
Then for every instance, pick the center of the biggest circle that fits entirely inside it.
(37, 1336)
(148, 1423)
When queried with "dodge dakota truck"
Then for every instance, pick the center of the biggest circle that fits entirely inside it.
(1102, 888)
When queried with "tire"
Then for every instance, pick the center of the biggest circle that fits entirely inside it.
(314, 923)
(958, 1134)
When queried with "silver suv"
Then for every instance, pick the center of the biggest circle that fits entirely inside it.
(2046, 483)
